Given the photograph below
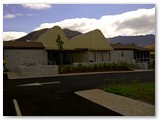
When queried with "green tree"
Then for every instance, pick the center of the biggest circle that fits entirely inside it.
(60, 48)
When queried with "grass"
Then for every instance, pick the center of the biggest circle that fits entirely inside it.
(140, 91)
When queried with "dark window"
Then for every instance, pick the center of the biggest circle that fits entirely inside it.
(54, 57)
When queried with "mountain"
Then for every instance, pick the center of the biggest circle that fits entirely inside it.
(70, 33)
(138, 40)
(33, 36)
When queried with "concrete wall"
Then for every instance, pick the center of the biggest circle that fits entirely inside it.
(106, 56)
(95, 56)
(122, 55)
(81, 56)
(39, 70)
(99, 56)
(24, 57)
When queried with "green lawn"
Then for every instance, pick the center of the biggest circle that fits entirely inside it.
(140, 91)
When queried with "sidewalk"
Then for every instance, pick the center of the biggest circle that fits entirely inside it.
(117, 103)
(14, 75)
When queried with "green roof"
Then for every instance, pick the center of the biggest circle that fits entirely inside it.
(49, 39)
(93, 40)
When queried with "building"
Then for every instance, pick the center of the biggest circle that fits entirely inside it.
(49, 41)
(91, 47)
(88, 47)
(26, 58)
(129, 53)
(23, 53)
(138, 56)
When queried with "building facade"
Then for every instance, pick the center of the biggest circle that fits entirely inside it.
(91, 47)
(88, 47)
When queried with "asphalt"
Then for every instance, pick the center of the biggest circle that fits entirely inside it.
(46, 101)
(60, 99)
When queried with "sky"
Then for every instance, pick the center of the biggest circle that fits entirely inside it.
(112, 19)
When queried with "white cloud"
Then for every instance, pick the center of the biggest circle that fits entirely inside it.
(37, 6)
(30, 15)
(10, 16)
(139, 22)
(11, 35)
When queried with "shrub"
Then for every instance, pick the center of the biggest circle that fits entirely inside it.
(95, 67)
(81, 68)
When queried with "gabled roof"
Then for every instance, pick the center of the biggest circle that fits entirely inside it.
(93, 40)
(49, 39)
(22, 45)
(128, 47)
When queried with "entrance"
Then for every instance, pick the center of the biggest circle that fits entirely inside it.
(54, 57)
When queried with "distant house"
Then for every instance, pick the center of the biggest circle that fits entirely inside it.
(129, 53)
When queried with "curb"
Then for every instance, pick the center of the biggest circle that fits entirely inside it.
(76, 74)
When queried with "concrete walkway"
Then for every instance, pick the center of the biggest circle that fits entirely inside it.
(117, 103)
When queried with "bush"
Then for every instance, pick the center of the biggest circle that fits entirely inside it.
(94, 68)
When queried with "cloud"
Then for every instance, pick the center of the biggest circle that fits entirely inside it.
(10, 16)
(30, 15)
(138, 22)
(11, 35)
(37, 6)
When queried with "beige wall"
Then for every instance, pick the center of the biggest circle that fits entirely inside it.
(20, 57)
(99, 56)
(81, 56)
(95, 56)
(128, 55)
(106, 56)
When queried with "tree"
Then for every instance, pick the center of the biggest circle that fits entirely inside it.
(60, 48)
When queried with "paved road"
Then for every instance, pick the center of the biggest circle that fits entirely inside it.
(54, 99)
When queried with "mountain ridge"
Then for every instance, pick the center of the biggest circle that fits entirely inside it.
(33, 36)
(142, 40)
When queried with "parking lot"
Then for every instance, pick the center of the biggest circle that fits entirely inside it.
(46, 101)
(54, 96)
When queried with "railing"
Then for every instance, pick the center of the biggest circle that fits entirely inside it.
(51, 63)
(142, 59)
(127, 60)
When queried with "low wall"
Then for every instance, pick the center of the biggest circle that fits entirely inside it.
(41, 70)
